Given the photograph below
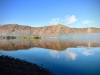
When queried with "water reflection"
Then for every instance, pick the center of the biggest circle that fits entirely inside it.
(68, 54)
(54, 54)
(68, 57)
(73, 53)
(55, 45)
(45, 43)
(87, 53)
(90, 51)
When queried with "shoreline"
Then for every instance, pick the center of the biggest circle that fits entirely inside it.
(15, 66)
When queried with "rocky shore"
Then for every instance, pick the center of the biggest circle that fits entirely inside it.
(12, 66)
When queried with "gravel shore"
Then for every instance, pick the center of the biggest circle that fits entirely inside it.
(12, 66)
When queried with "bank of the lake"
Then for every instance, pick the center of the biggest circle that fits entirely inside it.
(12, 66)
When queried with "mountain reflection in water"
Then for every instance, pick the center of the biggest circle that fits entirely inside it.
(53, 44)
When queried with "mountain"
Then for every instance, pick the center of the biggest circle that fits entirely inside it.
(15, 29)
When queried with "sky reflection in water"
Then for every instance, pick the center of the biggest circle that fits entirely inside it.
(72, 53)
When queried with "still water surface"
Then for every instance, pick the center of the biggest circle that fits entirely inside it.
(62, 57)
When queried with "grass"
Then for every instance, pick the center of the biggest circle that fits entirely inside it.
(29, 37)
(8, 37)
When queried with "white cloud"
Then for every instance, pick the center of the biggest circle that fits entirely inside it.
(70, 19)
(86, 22)
(54, 21)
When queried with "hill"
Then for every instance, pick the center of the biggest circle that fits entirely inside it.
(15, 29)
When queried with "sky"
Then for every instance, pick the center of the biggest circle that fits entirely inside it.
(37, 13)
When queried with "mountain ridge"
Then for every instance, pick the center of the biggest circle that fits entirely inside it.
(15, 29)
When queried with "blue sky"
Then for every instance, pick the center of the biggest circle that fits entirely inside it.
(36, 13)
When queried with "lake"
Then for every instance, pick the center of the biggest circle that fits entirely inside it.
(74, 56)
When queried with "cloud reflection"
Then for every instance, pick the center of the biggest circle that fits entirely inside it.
(54, 54)
(87, 53)
(71, 55)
